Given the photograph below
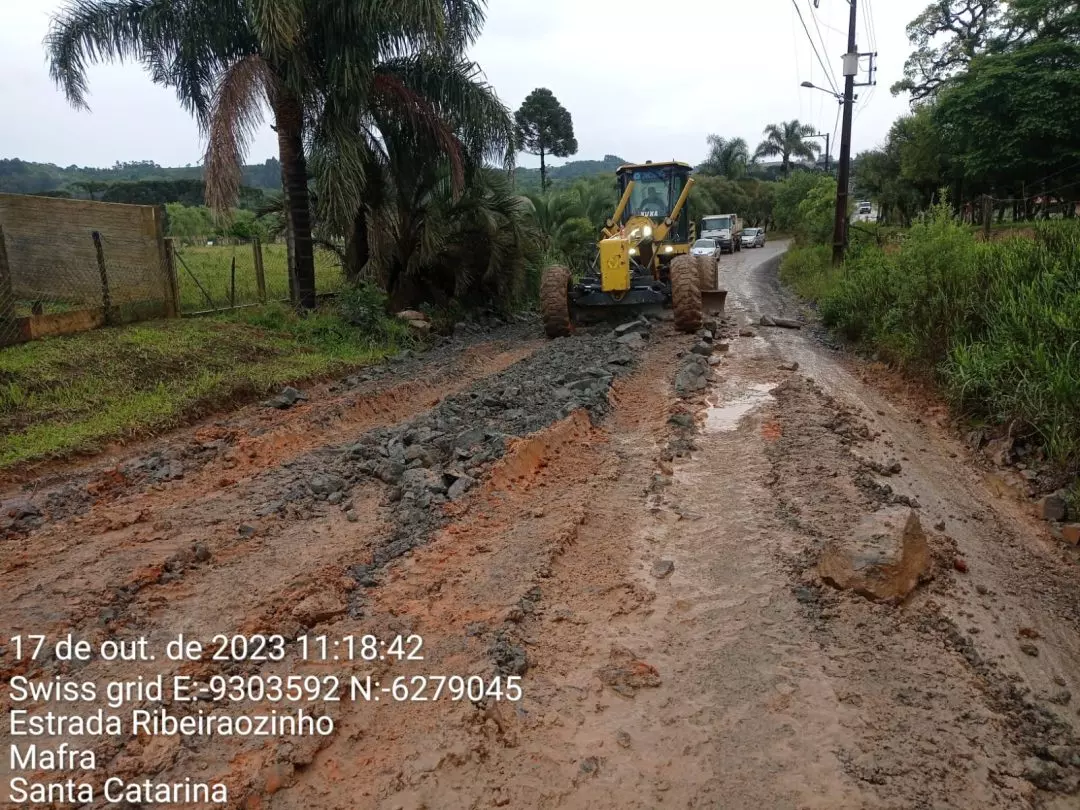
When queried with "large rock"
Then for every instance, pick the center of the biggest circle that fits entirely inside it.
(783, 323)
(692, 376)
(319, 607)
(1052, 507)
(288, 397)
(326, 483)
(462, 485)
(632, 340)
(883, 558)
(633, 327)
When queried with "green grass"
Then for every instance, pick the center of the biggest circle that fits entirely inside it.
(69, 394)
(212, 267)
(998, 322)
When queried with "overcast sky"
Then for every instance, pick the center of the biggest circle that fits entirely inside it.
(644, 80)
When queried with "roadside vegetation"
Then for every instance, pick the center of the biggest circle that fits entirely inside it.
(72, 394)
(996, 322)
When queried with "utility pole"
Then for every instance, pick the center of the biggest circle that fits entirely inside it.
(843, 179)
(851, 67)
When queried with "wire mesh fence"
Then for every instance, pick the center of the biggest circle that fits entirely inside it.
(70, 265)
(67, 265)
(212, 276)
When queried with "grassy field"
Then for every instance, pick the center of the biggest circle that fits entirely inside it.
(998, 322)
(206, 271)
(70, 394)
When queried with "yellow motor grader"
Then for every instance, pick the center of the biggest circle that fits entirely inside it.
(643, 256)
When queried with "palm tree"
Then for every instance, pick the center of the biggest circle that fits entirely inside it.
(430, 120)
(472, 246)
(305, 60)
(728, 157)
(787, 139)
(597, 197)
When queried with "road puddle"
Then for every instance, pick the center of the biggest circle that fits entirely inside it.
(720, 418)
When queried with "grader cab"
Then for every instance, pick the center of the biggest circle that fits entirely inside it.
(642, 259)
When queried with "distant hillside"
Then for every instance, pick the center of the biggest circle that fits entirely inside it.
(528, 179)
(23, 177)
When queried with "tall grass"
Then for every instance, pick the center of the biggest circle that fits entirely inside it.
(998, 322)
(72, 393)
(204, 274)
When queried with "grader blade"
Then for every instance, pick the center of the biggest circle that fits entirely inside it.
(713, 301)
(713, 298)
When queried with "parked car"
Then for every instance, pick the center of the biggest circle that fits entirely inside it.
(753, 237)
(706, 247)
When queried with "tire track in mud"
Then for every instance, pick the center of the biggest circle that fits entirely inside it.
(974, 737)
(308, 547)
(140, 534)
(483, 593)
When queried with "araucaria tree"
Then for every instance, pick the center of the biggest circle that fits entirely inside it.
(544, 127)
(787, 140)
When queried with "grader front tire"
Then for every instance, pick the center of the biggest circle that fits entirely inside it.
(708, 272)
(686, 294)
(555, 301)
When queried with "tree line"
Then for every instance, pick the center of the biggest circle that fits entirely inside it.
(995, 120)
(27, 177)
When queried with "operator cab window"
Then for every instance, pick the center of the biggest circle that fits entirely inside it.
(651, 196)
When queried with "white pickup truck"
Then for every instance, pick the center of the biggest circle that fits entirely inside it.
(724, 228)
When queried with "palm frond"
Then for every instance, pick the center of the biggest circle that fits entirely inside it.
(278, 24)
(422, 118)
(344, 161)
(183, 45)
(237, 112)
(454, 91)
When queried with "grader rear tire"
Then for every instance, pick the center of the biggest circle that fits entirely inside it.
(555, 301)
(686, 293)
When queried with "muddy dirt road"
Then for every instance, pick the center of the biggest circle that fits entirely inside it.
(555, 516)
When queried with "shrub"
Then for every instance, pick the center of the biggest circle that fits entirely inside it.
(364, 306)
(809, 271)
(998, 323)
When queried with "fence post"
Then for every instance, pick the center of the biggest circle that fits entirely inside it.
(106, 299)
(169, 257)
(232, 283)
(260, 274)
(8, 332)
(988, 215)
(168, 266)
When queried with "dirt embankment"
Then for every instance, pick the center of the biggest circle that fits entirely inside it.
(628, 522)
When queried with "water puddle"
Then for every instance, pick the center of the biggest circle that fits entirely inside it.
(719, 418)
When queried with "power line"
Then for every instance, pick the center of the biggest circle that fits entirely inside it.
(821, 39)
(813, 47)
(798, 69)
(873, 27)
